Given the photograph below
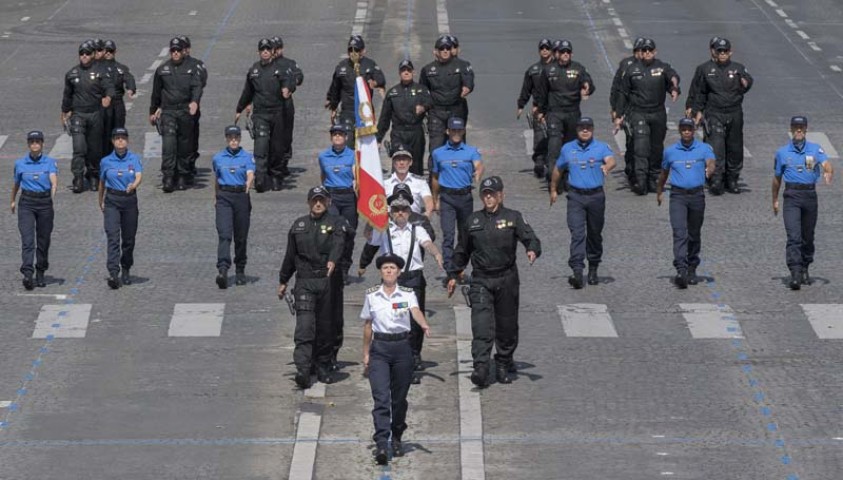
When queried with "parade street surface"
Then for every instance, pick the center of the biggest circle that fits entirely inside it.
(173, 378)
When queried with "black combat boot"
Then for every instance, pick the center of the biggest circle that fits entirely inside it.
(39, 279)
(222, 278)
(575, 280)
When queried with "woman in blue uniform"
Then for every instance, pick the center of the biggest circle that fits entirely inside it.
(121, 173)
(387, 353)
(36, 178)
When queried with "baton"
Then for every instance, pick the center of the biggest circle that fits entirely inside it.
(291, 303)
(387, 145)
(530, 121)
(249, 126)
(158, 126)
(65, 127)
(464, 289)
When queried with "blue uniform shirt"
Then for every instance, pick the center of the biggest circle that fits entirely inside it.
(338, 168)
(231, 169)
(791, 163)
(35, 175)
(687, 164)
(118, 172)
(584, 163)
(455, 164)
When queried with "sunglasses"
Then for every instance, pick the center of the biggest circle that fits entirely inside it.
(85, 54)
(722, 50)
(35, 140)
(405, 69)
(355, 50)
(647, 49)
(442, 49)
(109, 50)
(334, 134)
(400, 209)
(268, 49)
(179, 50)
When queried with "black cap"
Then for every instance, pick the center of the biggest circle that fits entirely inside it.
(356, 42)
(185, 39)
(722, 44)
(319, 191)
(585, 122)
(177, 44)
(563, 45)
(109, 45)
(119, 132)
(454, 40)
(35, 135)
(636, 45)
(265, 43)
(400, 190)
(338, 127)
(444, 41)
(278, 41)
(545, 43)
(390, 258)
(86, 47)
(98, 44)
(648, 43)
(493, 183)
(232, 130)
(456, 123)
(406, 63)
(713, 41)
(686, 122)
(799, 121)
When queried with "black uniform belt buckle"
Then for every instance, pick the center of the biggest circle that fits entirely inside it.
(686, 190)
(587, 191)
(233, 188)
(34, 194)
(391, 337)
(456, 191)
(800, 186)
(334, 190)
(119, 193)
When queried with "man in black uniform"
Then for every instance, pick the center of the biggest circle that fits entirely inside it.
(124, 84)
(532, 77)
(465, 66)
(314, 246)
(696, 81)
(264, 90)
(449, 82)
(641, 104)
(560, 90)
(199, 65)
(489, 240)
(291, 69)
(176, 91)
(405, 107)
(86, 92)
(719, 97)
(341, 90)
(628, 157)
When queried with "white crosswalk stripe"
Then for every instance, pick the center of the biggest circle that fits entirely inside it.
(197, 320)
(587, 320)
(822, 139)
(63, 149)
(825, 319)
(3, 139)
(706, 320)
(247, 142)
(472, 461)
(62, 321)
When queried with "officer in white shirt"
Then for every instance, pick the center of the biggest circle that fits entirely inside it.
(402, 159)
(406, 240)
(387, 355)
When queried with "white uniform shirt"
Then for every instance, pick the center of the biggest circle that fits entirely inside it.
(389, 313)
(418, 187)
(400, 238)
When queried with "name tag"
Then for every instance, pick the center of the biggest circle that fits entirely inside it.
(119, 173)
(689, 164)
(232, 170)
(336, 169)
(454, 164)
(36, 176)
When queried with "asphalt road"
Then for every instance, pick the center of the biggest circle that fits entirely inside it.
(654, 397)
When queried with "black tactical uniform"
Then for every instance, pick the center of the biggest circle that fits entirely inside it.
(641, 103)
(311, 244)
(719, 96)
(465, 66)
(199, 66)
(445, 82)
(115, 115)
(174, 87)
(489, 240)
(341, 91)
(84, 88)
(529, 86)
(291, 70)
(628, 157)
(399, 110)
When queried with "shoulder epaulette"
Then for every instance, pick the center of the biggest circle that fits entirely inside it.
(405, 289)
(372, 289)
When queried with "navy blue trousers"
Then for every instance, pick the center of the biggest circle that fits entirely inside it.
(687, 212)
(121, 226)
(454, 211)
(35, 222)
(390, 374)
(234, 210)
(586, 214)
(800, 220)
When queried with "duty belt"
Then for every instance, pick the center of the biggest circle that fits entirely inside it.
(34, 194)
(120, 193)
(492, 273)
(799, 186)
(586, 191)
(233, 188)
(731, 109)
(686, 190)
(339, 190)
(455, 191)
(391, 337)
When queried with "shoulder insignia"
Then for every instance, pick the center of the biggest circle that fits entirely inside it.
(416, 176)
(374, 289)
(404, 289)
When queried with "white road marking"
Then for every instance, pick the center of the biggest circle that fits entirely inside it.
(193, 13)
(5, 404)
(24, 19)
(622, 33)
(247, 142)
(155, 64)
(3, 139)
(360, 18)
(151, 145)
(304, 451)
(587, 320)
(164, 52)
(145, 79)
(790, 23)
(528, 142)
(781, 13)
(627, 43)
(822, 139)
(620, 139)
(746, 153)
(826, 319)
(196, 320)
(129, 106)
(617, 21)
(835, 68)
(317, 390)
(802, 34)
(63, 321)
(671, 126)
(815, 47)
(63, 149)
(56, 296)
(706, 320)
(442, 17)
(472, 461)
(772, 3)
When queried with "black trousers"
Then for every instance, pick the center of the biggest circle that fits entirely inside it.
(338, 312)
(35, 223)
(540, 143)
(234, 210)
(121, 225)
(687, 212)
(390, 375)
(345, 205)
(119, 114)
(725, 135)
(629, 153)
(800, 220)
(494, 316)
(648, 132)
(113, 117)
(178, 129)
(86, 132)
(286, 153)
(313, 336)
(561, 129)
(586, 214)
(350, 121)
(194, 146)
(415, 280)
(412, 138)
(437, 124)
(269, 143)
(454, 211)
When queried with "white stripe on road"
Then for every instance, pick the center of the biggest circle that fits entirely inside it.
(772, 3)
(24, 19)
(746, 153)
(145, 78)
(156, 64)
(802, 34)
(706, 320)
(152, 145)
(442, 17)
(587, 320)
(822, 139)
(620, 139)
(622, 33)
(164, 52)
(193, 13)
(790, 23)
(528, 142)
(129, 105)
(815, 47)
(62, 321)
(360, 18)
(196, 320)
(3, 139)
(472, 461)
(627, 43)
(5, 404)
(826, 319)
(781, 13)
(836, 68)
(307, 439)
(63, 149)
(247, 142)
(617, 21)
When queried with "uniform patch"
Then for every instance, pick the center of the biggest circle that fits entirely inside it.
(405, 289)
(373, 289)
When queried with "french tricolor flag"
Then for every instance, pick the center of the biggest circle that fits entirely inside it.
(371, 197)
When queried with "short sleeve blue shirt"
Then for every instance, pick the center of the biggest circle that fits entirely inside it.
(584, 162)
(231, 168)
(34, 175)
(792, 163)
(338, 168)
(687, 164)
(118, 172)
(455, 164)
